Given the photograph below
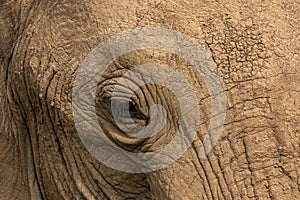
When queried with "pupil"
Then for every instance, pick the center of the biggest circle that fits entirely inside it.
(132, 109)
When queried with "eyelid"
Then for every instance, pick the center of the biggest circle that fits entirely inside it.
(127, 100)
(120, 98)
(108, 96)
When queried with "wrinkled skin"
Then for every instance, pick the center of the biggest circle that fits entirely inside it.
(255, 45)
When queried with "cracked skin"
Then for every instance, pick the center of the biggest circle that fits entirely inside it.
(255, 45)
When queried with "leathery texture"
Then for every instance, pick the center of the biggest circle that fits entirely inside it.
(255, 46)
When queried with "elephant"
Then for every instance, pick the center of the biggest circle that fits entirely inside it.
(255, 48)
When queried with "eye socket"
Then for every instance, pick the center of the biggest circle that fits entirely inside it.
(133, 108)
(135, 112)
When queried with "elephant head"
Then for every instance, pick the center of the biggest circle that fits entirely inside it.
(50, 51)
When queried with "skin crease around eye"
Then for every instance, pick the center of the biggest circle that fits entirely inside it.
(140, 103)
(142, 100)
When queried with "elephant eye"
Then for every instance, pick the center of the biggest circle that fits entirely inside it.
(135, 113)
(132, 108)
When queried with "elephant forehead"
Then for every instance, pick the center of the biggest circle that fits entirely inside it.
(58, 40)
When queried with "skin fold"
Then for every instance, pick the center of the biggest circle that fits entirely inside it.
(255, 45)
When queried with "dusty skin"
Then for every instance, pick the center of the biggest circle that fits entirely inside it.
(255, 45)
